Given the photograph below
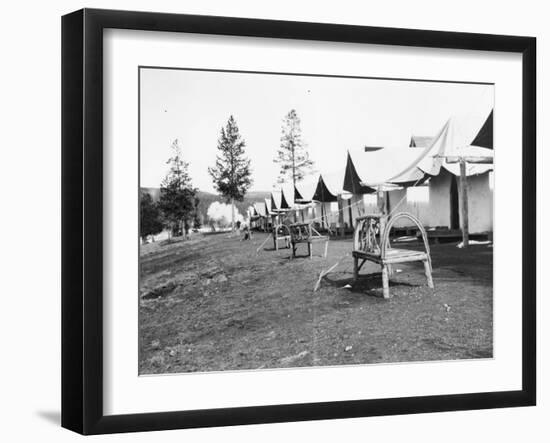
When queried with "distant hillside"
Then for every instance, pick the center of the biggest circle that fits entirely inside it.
(207, 198)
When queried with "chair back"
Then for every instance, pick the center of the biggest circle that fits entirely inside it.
(368, 233)
(281, 231)
(412, 218)
(300, 232)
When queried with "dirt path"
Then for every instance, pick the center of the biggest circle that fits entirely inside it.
(211, 303)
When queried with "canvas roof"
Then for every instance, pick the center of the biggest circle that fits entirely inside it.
(275, 200)
(278, 201)
(252, 213)
(297, 195)
(260, 208)
(268, 205)
(288, 194)
(365, 171)
(329, 186)
(454, 140)
(305, 189)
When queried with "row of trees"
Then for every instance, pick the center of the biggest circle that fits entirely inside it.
(231, 175)
(177, 208)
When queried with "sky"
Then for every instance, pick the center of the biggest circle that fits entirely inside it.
(337, 115)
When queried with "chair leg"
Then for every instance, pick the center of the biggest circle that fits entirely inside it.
(355, 268)
(310, 250)
(326, 248)
(385, 281)
(428, 272)
(276, 243)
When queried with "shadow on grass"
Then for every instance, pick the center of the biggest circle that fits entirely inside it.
(366, 283)
(281, 248)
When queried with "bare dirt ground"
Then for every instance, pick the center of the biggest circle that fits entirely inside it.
(211, 303)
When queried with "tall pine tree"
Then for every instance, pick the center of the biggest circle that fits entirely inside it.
(231, 174)
(292, 156)
(177, 195)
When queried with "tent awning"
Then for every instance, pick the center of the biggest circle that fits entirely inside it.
(305, 189)
(451, 142)
(366, 171)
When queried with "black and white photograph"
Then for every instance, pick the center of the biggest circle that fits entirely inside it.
(294, 220)
(275, 221)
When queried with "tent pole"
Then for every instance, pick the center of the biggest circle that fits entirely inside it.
(464, 203)
(382, 207)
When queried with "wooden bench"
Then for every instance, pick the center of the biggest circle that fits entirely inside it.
(372, 242)
(306, 233)
(281, 232)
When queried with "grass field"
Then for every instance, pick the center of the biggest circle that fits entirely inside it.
(211, 303)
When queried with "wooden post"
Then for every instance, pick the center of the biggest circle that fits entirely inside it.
(385, 282)
(381, 201)
(340, 215)
(350, 214)
(464, 203)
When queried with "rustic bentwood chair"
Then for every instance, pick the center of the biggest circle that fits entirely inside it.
(372, 242)
(306, 233)
(281, 232)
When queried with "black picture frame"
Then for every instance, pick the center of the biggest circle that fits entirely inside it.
(82, 218)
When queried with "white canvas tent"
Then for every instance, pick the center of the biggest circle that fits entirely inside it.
(261, 210)
(438, 203)
(433, 172)
(325, 197)
(318, 196)
(473, 208)
(371, 177)
(304, 206)
(383, 168)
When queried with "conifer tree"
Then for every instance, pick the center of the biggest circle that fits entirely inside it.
(231, 174)
(177, 195)
(292, 156)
